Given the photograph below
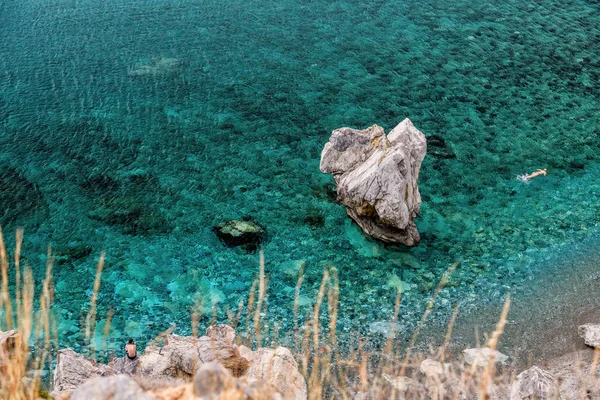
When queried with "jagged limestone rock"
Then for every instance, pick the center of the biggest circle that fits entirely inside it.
(377, 176)
(278, 368)
(212, 379)
(218, 345)
(575, 375)
(402, 383)
(8, 342)
(483, 356)
(73, 369)
(535, 383)
(178, 358)
(117, 387)
(434, 369)
(8, 339)
(181, 356)
(124, 365)
(591, 334)
(265, 373)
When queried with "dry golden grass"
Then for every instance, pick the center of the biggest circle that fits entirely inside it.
(16, 358)
(388, 372)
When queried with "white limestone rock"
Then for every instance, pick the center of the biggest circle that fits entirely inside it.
(590, 334)
(402, 383)
(377, 177)
(535, 383)
(124, 365)
(184, 353)
(178, 358)
(575, 375)
(270, 373)
(278, 368)
(483, 356)
(117, 387)
(73, 369)
(8, 341)
(434, 369)
(156, 363)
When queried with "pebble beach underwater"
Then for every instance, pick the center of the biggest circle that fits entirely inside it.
(138, 126)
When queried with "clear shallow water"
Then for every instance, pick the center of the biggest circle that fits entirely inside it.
(177, 116)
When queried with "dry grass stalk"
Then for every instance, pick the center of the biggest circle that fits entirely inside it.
(15, 357)
(314, 380)
(261, 295)
(195, 316)
(106, 330)
(489, 372)
(250, 309)
(329, 373)
(442, 352)
(6, 303)
(90, 320)
(17, 262)
(297, 293)
(44, 327)
(428, 310)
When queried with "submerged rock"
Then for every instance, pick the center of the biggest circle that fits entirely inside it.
(72, 251)
(376, 177)
(155, 66)
(437, 147)
(133, 204)
(245, 233)
(590, 334)
(21, 200)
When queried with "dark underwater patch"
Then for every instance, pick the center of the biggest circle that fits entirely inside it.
(20, 199)
(132, 205)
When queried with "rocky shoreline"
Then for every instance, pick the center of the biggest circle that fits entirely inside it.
(215, 367)
(184, 368)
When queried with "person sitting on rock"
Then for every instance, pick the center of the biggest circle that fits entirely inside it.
(130, 349)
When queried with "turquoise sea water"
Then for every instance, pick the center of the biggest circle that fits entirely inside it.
(136, 126)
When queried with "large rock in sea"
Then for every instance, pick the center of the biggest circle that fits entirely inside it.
(377, 177)
(244, 233)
